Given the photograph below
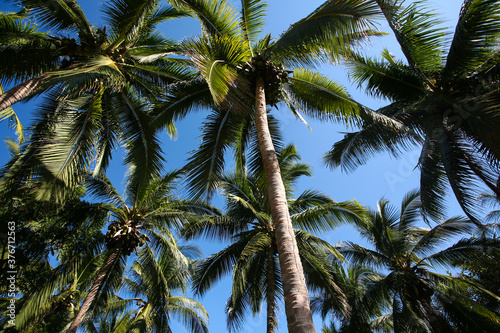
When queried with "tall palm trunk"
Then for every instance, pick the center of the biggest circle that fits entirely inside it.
(20, 91)
(271, 292)
(96, 286)
(298, 312)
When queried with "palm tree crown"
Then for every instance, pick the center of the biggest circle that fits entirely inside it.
(422, 299)
(99, 83)
(443, 97)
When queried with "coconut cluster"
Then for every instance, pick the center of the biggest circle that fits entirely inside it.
(124, 236)
(273, 75)
(85, 46)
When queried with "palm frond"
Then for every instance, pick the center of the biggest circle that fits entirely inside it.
(464, 249)
(212, 269)
(333, 26)
(216, 58)
(205, 165)
(418, 32)
(432, 181)
(60, 15)
(361, 255)
(101, 187)
(216, 17)
(191, 313)
(144, 154)
(330, 102)
(127, 19)
(387, 79)
(357, 147)
(474, 40)
(252, 19)
(321, 217)
(19, 42)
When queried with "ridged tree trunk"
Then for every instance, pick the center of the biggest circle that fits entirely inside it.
(20, 91)
(271, 293)
(94, 290)
(298, 312)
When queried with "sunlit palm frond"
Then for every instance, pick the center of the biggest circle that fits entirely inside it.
(191, 314)
(252, 19)
(334, 26)
(315, 216)
(319, 97)
(14, 121)
(59, 15)
(216, 58)
(419, 33)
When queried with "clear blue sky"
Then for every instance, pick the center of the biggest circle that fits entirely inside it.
(382, 176)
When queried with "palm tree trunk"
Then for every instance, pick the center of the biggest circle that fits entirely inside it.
(298, 312)
(271, 292)
(96, 286)
(20, 91)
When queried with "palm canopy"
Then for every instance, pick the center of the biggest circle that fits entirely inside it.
(442, 98)
(364, 314)
(155, 277)
(78, 55)
(252, 255)
(422, 298)
(233, 49)
(99, 83)
(146, 216)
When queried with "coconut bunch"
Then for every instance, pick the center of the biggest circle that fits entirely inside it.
(126, 236)
(274, 76)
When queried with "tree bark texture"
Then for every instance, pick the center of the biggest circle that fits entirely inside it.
(94, 290)
(298, 312)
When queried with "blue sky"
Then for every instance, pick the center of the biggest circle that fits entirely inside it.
(382, 176)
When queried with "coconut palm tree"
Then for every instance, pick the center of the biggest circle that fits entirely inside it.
(365, 314)
(145, 215)
(127, 51)
(99, 85)
(422, 298)
(442, 98)
(252, 255)
(155, 277)
(243, 73)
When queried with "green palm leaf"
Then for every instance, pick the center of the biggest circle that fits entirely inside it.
(417, 31)
(252, 19)
(58, 14)
(474, 38)
(333, 26)
(216, 17)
